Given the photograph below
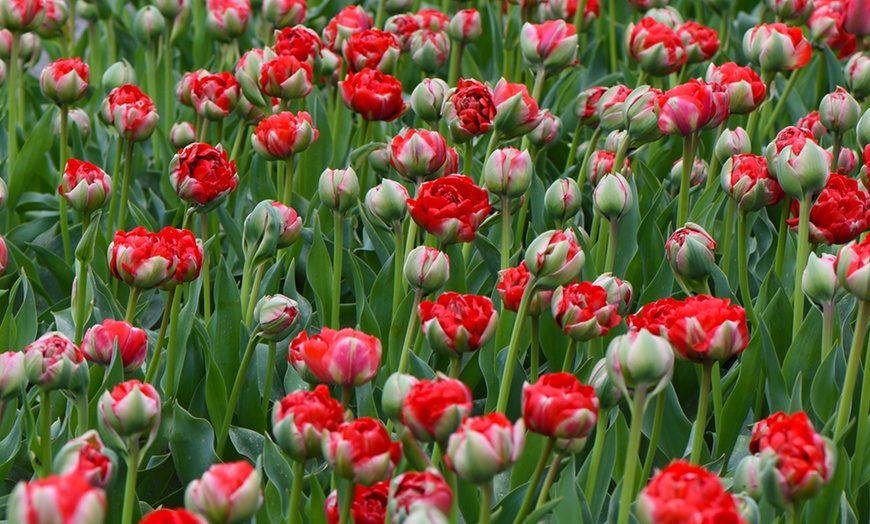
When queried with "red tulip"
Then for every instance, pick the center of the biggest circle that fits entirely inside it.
(347, 358)
(426, 488)
(813, 123)
(559, 406)
(748, 181)
(65, 80)
(511, 286)
(214, 96)
(54, 362)
(21, 15)
(85, 186)
(856, 20)
(484, 446)
(227, 19)
(791, 136)
(373, 49)
(683, 492)
(457, 324)
(516, 112)
(451, 208)
(283, 135)
(418, 153)
(429, 49)
(228, 492)
(583, 311)
(656, 47)
(284, 13)
(352, 19)
(67, 499)
(466, 26)
(292, 225)
(601, 164)
(610, 107)
(777, 47)
(131, 112)
(183, 91)
(701, 43)
(745, 88)
(369, 504)
(374, 95)
(300, 418)
(203, 175)
(826, 26)
(87, 457)
(286, 77)
(299, 42)
(187, 252)
(432, 19)
(685, 109)
(840, 214)
(804, 460)
(99, 342)
(469, 110)
(554, 258)
(172, 516)
(402, 27)
(433, 409)
(361, 451)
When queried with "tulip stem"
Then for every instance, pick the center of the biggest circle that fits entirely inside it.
(12, 103)
(157, 355)
(685, 179)
(782, 231)
(835, 158)
(450, 478)
(346, 396)
(113, 201)
(81, 401)
(654, 438)
(455, 60)
(493, 144)
(780, 104)
(468, 161)
(169, 113)
(536, 478)
(844, 411)
(125, 187)
(701, 419)
(409, 333)
(727, 235)
(455, 366)
(611, 37)
(45, 432)
(245, 290)
(716, 390)
(742, 267)
(130, 485)
(863, 412)
(338, 252)
(628, 481)
(611, 246)
(803, 248)
(570, 355)
(713, 171)
(237, 390)
(296, 489)
(132, 301)
(64, 156)
(516, 334)
(172, 350)
(551, 477)
(827, 329)
(535, 350)
(206, 278)
(581, 174)
(81, 315)
(237, 145)
(289, 165)
(505, 232)
(398, 267)
(270, 372)
(486, 502)
(597, 449)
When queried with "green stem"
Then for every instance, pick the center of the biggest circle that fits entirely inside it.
(536, 478)
(716, 389)
(611, 37)
(247, 273)
(296, 489)
(132, 301)
(611, 246)
(572, 148)
(346, 396)
(628, 481)
(597, 450)
(398, 267)
(241, 133)
(602, 242)
(113, 206)
(581, 174)
(81, 401)
(45, 432)
(835, 159)
(409, 332)
(654, 437)
(237, 390)
(861, 435)
(455, 60)
(727, 235)
(713, 172)
(486, 502)
(505, 232)
(288, 181)
(219, 132)
(493, 144)
(168, 99)
(154, 364)
(782, 232)
(540, 79)
(130, 484)
(535, 350)
(450, 478)
(742, 268)
(551, 477)
(270, 373)
(570, 355)
(701, 419)
(844, 410)
(803, 248)
(780, 104)
(513, 348)
(173, 349)
(125, 188)
(685, 179)
(81, 314)
(12, 104)
(338, 252)
(206, 277)
(455, 366)
(827, 330)
(468, 160)
(64, 156)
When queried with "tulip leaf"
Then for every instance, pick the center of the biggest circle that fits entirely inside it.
(824, 392)
(32, 169)
(249, 443)
(224, 325)
(11, 443)
(191, 443)
(277, 469)
(319, 270)
(742, 397)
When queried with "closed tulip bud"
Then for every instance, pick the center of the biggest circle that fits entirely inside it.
(434, 409)
(548, 132)
(429, 49)
(4, 255)
(86, 456)
(54, 362)
(292, 225)
(639, 114)
(586, 105)
(747, 180)
(379, 161)
(508, 172)
(276, 315)
(388, 202)
(78, 121)
(559, 406)
(747, 509)
(361, 451)
(227, 20)
(283, 135)
(819, 282)
(857, 73)
(130, 410)
(227, 492)
(148, 24)
(248, 72)
(615, 140)
(562, 199)
(284, 13)
(640, 359)
(131, 112)
(612, 197)
(690, 252)
(418, 153)
(554, 259)
(839, 112)
(395, 390)
(619, 292)
(732, 142)
(21, 16)
(655, 46)
(748, 475)
(697, 176)
(427, 99)
(85, 186)
(606, 391)
(13, 377)
(457, 324)
(582, 310)
(55, 19)
(863, 129)
(338, 189)
(551, 45)
(66, 499)
(806, 172)
(182, 134)
(65, 81)
(776, 47)
(118, 74)
(484, 446)
(262, 231)
(610, 108)
(99, 342)
(853, 268)
(169, 8)
(517, 112)
(426, 269)
(299, 419)
(466, 26)
(31, 49)
(286, 77)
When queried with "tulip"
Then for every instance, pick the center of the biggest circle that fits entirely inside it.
(227, 20)
(186, 250)
(512, 284)
(65, 81)
(13, 376)
(452, 208)
(68, 498)
(139, 259)
(415, 491)
(86, 457)
(551, 45)
(21, 16)
(839, 112)
(202, 175)
(426, 269)
(701, 43)
(361, 451)
(182, 134)
(352, 19)
(466, 26)
(214, 96)
(548, 132)
(820, 282)
(85, 186)
(730, 143)
(606, 391)
(508, 172)
(418, 153)
(284, 13)
(640, 359)
(283, 135)
(697, 174)
(131, 112)
(484, 446)
(395, 390)
(517, 112)
(554, 259)
(292, 225)
(613, 197)
(656, 47)
(148, 24)
(226, 493)
(610, 108)
(54, 362)
(469, 110)
(372, 48)
(429, 49)
(687, 492)
(745, 88)
(248, 73)
(427, 99)
(170, 8)
(172, 516)
(276, 315)
(379, 160)
(690, 251)
(803, 172)
(457, 324)
(300, 418)
(685, 109)
(856, 19)
(776, 47)
(286, 77)
(338, 189)
(300, 42)
(346, 358)
(840, 213)
(434, 409)
(262, 232)
(374, 95)
(432, 19)
(117, 75)
(559, 406)
(369, 504)
(402, 26)
(853, 269)
(583, 312)
(639, 114)
(793, 136)
(813, 122)
(562, 200)
(586, 105)
(388, 202)
(98, 344)
(857, 73)
(129, 411)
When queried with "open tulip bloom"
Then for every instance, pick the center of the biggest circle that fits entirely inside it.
(297, 262)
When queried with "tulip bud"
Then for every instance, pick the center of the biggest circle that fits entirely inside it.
(853, 269)
(586, 105)
(395, 390)
(434, 409)
(697, 176)
(655, 45)
(839, 112)
(361, 451)
(548, 132)
(423, 514)
(819, 282)
(299, 419)
(427, 99)
(551, 45)
(13, 377)
(67, 499)
(23, 16)
(858, 75)
(86, 456)
(614, 141)
(54, 362)
(747, 509)
(562, 200)
(639, 114)
(148, 24)
(508, 172)
(129, 411)
(56, 16)
(803, 173)
(732, 142)
(606, 390)
(748, 475)
(338, 189)
(554, 259)
(640, 359)
(276, 315)
(612, 197)
(426, 269)
(284, 13)
(118, 74)
(379, 161)
(484, 446)
(292, 225)
(182, 135)
(85, 186)
(418, 153)
(388, 202)
(247, 73)
(4, 196)
(776, 47)
(610, 108)
(227, 492)
(2, 72)
(4, 255)
(619, 291)
(262, 231)
(691, 252)
(517, 113)
(466, 26)
(100, 341)
(169, 8)
(429, 49)
(863, 129)
(65, 81)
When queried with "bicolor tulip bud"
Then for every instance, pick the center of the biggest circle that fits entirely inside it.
(22, 16)
(85, 186)
(148, 24)
(68, 498)
(100, 340)
(517, 112)
(548, 132)
(819, 281)
(640, 359)
(697, 176)
(427, 99)
(86, 456)
(182, 134)
(655, 46)
(418, 153)
(776, 47)
(13, 376)
(130, 410)
(732, 142)
(853, 268)
(586, 105)
(118, 74)
(610, 108)
(857, 73)
(803, 173)
(262, 231)
(434, 409)
(54, 362)
(619, 292)
(429, 49)
(361, 451)
(639, 114)
(466, 26)
(299, 419)
(227, 492)
(284, 13)
(551, 45)
(292, 225)
(426, 269)
(65, 81)
(839, 112)
(612, 197)
(484, 446)
(690, 252)
(248, 72)
(388, 202)
(606, 390)
(562, 199)
(338, 189)
(395, 390)
(508, 172)
(554, 258)
(276, 315)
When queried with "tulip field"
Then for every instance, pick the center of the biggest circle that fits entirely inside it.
(434, 261)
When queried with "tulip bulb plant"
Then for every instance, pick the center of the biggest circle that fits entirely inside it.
(420, 262)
